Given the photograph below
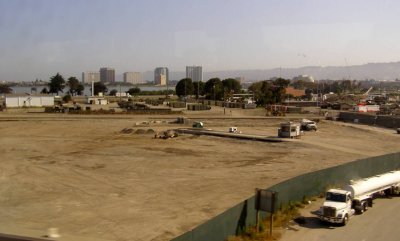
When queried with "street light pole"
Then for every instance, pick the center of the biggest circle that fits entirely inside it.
(185, 91)
(198, 87)
(120, 94)
(214, 94)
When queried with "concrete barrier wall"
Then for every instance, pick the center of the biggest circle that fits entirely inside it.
(370, 119)
(235, 219)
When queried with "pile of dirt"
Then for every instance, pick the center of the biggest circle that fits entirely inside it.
(150, 131)
(140, 131)
(166, 134)
(127, 131)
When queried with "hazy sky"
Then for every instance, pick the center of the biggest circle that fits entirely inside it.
(41, 37)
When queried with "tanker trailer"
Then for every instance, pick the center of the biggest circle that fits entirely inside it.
(341, 204)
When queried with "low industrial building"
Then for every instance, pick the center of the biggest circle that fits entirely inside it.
(28, 101)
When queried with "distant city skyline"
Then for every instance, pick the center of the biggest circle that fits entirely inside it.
(42, 37)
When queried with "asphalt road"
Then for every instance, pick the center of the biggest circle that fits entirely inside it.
(381, 222)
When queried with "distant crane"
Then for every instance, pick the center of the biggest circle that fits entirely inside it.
(369, 90)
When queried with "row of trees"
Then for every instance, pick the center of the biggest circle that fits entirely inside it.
(339, 87)
(274, 91)
(265, 92)
(58, 83)
(214, 88)
(5, 89)
(269, 91)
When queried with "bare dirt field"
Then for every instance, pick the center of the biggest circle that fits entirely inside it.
(83, 176)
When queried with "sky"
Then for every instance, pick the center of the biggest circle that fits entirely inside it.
(39, 38)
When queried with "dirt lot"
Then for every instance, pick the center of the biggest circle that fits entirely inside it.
(82, 175)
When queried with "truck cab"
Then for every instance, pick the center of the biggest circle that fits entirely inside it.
(337, 207)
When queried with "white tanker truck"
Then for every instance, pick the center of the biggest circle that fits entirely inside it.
(340, 204)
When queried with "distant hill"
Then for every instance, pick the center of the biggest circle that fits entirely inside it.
(377, 71)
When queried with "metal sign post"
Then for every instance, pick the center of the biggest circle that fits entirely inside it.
(265, 201)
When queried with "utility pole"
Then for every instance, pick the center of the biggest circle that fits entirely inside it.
(198, 87)
(166, 82)
(185, 90)
(120, 93)
(214, 94)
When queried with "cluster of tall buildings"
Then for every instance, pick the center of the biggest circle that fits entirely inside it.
(107, 75)
(161, 75)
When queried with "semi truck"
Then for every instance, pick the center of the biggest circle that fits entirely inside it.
(357, 197)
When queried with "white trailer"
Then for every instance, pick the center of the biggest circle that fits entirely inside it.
(289, 130)
(341, 204)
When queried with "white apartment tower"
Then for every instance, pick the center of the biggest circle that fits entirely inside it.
(195, 73)
(90, 76)
(133, 77)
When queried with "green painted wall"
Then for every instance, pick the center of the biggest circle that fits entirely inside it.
(311, 184)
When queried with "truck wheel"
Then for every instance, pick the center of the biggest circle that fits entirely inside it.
(370, 202)
(345, 220)
(365, 207)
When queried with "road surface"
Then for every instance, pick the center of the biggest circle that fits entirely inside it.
(381, 222)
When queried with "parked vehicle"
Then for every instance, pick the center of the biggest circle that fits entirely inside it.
(198, 124)
(233, 129)
(308, 125)
(341, 204)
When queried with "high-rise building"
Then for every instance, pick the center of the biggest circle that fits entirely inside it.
(161, 71)
(90, 76)
(133, 77)
(195, 73)
(160, 79)
(107, 75)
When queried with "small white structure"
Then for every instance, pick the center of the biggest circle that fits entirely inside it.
(29, 101)
(94, 100)
(122, 94)
(289, 130)
(366, 108)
